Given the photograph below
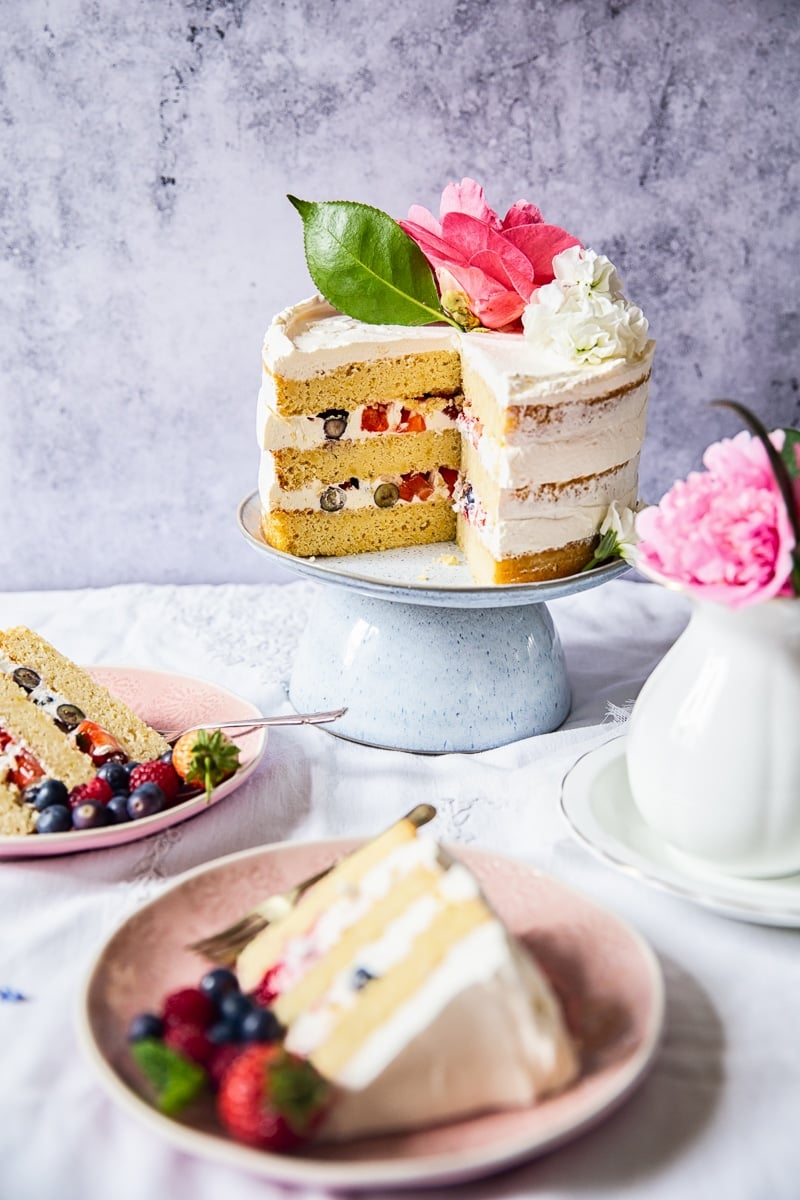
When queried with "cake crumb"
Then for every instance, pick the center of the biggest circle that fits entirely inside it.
(448, 560)
(422, 578)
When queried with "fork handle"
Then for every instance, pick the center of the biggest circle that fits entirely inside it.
(318, 718)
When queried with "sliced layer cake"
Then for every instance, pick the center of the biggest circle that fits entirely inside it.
(368, 446)
(397, 981)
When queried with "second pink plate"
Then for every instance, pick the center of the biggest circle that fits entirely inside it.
(607, 976)
(165, 700)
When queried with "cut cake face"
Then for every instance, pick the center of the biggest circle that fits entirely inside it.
(396, 980)
(375, 437)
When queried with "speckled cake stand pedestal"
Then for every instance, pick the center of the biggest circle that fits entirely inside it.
(424, 659)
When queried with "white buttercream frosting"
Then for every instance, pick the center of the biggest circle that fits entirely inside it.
(311, 338)
(583, 315)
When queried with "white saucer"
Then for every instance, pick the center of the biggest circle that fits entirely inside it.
(597, 803)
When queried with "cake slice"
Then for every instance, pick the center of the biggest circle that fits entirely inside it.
(357, 428)
(69, 696)
(57, 724)
(394, 977)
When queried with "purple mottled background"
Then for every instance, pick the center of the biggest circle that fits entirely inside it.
(145, 238)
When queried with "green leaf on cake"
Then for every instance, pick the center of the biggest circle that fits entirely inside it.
(363, 263)
(175, 1079)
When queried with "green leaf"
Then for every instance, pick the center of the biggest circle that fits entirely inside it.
(175, 1079)
(789, 452)
(363, 263)
(607, 547)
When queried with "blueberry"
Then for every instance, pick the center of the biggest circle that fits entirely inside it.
(361, 977)
(334, 423)
(26, 678)
(145, 801)
(51, 791)
(218, 982)
(333, 499)
(70, 716)
(260, 1025)
(234, 1006)
(223, 1031)
(145, 1025)
(166, 757)
(91, 814)
(386, 495)
(115, 776)
(129, 767)
(55, 819)
(117, 806)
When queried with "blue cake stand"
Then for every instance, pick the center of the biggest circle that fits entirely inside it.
(424, 659)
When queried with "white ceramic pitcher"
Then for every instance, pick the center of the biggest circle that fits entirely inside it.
(713, 748)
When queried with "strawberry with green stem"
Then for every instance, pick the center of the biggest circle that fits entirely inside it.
(205, 758)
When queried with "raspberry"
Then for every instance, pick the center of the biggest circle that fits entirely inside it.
(161, 773)
(188, 1006)
(189, 1041)
(95, 789)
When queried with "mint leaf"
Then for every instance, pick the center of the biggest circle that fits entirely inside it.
(789, 452)
(175, 1079)
(366, 266)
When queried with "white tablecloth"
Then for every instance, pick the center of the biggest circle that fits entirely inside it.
(718, 1115)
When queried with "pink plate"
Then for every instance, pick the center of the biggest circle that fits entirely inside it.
(607, 976)
(167, 701)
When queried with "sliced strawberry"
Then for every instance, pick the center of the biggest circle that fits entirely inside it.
(415, 484)
(411, 422)
(450, 476)
(97, 742)
(375, 419)
(26, 769)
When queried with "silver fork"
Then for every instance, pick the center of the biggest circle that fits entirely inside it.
(247, 725)
(225, 946)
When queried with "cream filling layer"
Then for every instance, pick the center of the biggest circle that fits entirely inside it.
(42, 696)
(275, 498)
(307, 433)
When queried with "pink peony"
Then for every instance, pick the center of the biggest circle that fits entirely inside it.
(724, 534)
(497, 263)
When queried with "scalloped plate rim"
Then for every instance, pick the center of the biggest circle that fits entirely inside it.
(52, 844)
(401, 1172)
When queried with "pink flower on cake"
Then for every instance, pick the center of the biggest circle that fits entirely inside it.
(495, 263)
(724, 534)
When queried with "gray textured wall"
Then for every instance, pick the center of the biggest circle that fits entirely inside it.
(146, 241)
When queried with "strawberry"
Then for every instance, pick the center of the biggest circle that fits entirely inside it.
(414, 484)
(266, 991)
(161, 773)
(205, 758)
(221, 1058)
(450, 476)
(96, 789)
(271, 1099)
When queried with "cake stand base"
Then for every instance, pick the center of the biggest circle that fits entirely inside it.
(428, 679)
(425, 659)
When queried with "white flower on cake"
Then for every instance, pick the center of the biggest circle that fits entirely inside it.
(582, 315)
